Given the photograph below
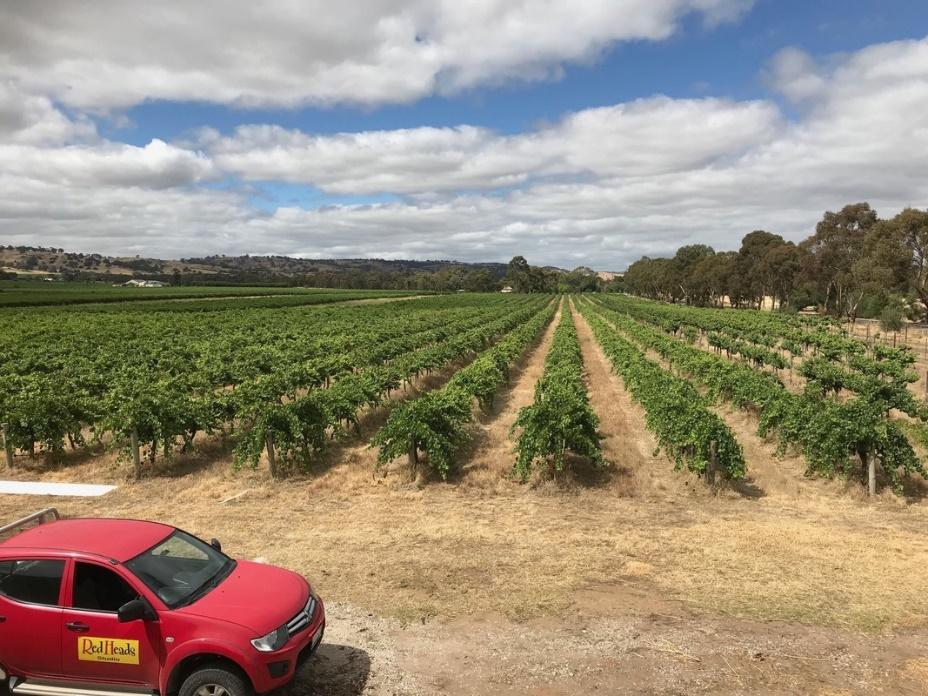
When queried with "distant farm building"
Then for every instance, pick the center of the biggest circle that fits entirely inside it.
(508, 288)
(144, 283)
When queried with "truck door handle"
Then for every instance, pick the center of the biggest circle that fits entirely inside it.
(77, 627)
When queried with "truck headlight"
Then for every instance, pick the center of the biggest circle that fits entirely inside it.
(274, 640)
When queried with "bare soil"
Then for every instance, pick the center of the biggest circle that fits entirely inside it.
(627, 443)
(642, 582)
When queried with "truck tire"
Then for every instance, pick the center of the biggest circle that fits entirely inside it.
(215, 681)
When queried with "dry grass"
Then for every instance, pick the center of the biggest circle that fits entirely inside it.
(917, 670)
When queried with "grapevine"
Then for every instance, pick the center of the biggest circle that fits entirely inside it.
(560, 420)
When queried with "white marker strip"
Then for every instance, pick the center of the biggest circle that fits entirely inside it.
(83, 490)
(234, 497)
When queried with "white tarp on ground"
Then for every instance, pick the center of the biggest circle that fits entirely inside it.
(48, 488)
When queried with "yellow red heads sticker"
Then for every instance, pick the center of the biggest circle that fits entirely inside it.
(118, 650)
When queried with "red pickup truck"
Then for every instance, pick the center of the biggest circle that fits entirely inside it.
(104, 607)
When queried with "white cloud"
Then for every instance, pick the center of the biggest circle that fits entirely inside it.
(795, 74)
(157, 165)
(623, 140)
(33, 119)
(110, 54)
(400, 161)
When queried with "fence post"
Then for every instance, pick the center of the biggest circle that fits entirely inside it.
(713, 463)
(270, 455)
(136, 455)
(7, 445)
(871, 474)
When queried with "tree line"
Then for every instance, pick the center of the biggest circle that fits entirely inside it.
(522, 277)
(854, 265)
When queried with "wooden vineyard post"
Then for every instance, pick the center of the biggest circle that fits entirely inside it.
(926, 384)
(272, 462)
(7, 445)
(871, 474)
(136, 455)
(413, 453)
(713, 463)
(868, 332)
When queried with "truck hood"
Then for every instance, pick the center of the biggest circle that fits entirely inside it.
(257, 596)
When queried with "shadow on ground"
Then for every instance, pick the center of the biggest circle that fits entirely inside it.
(335, 670)
(747, 488)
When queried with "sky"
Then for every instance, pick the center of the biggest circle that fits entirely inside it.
(572, 132)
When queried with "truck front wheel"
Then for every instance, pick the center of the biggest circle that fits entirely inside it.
(215, 681)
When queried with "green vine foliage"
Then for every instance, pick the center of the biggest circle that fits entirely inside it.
(432, 423)
(675, 412)
(435, 423)
(560, 420)
(301, 426)
(38, 410)
(836, 437)
(169, 376)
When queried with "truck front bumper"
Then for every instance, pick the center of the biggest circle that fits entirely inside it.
(270, 671)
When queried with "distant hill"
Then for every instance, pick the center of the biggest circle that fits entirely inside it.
(23, 262)
(45, 261)
(288, 265)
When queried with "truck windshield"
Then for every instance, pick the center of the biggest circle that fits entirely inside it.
(181, 569)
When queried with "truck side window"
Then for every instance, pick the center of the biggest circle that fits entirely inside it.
(33, 581)
(100, 589)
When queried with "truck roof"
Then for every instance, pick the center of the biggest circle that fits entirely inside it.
(116, 539)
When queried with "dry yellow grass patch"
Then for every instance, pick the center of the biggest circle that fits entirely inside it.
(917, 671)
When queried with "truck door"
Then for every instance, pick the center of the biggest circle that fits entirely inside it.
(30, 616)
(95, 646)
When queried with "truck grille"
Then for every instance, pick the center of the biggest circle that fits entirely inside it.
(303, 618)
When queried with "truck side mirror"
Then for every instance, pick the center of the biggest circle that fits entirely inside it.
(215, 544)
(134, 610)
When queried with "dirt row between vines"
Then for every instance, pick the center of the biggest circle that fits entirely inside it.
(628, 445)
(490, 457)
(767, 472)
(770, 472)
